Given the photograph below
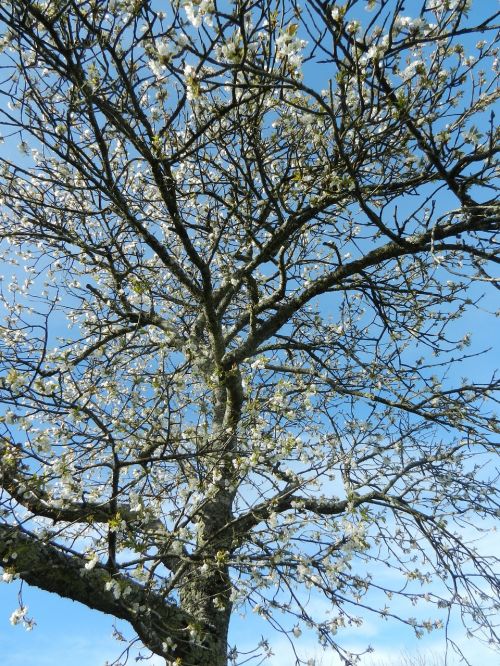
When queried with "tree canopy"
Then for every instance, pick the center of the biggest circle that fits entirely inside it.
(248, 240)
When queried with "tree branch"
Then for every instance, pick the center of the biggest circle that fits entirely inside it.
(44, 565)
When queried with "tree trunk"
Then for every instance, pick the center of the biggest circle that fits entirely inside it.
(206, 588)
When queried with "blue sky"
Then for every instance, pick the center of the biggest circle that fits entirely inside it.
(68, 629)
(65, 628)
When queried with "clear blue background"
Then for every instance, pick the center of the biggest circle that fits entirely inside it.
(68, 633)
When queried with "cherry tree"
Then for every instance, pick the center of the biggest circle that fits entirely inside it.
(245, 243)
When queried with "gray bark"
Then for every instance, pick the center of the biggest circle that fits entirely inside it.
(154, 619)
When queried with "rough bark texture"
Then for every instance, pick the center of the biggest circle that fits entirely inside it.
(261, 222)
(155, 620)
(206, 591)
